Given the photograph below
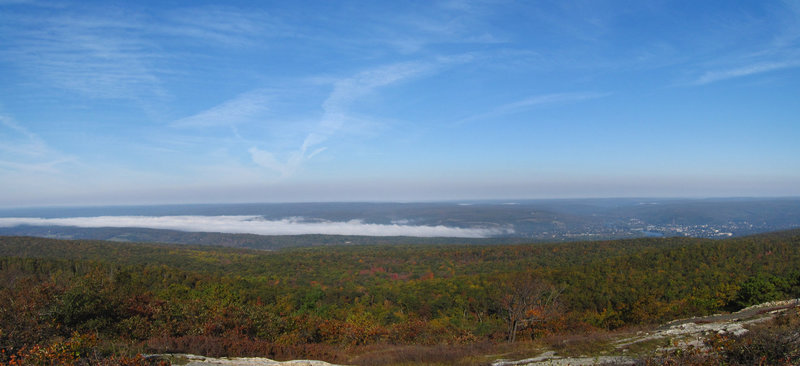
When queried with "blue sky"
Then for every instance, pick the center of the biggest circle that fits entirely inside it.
(181, 102)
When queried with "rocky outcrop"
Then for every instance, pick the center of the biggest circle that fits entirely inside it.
(195, 360)
(684, 333)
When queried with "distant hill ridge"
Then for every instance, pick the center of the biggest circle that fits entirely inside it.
(520, 222)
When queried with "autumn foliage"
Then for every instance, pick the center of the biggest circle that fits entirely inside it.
(90, 302)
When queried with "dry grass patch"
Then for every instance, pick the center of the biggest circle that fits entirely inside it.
(592, 343)
(483, 353)
(422, 355)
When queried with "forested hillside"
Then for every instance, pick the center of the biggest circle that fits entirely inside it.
(116, 299)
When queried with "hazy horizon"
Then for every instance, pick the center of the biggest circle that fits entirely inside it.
(162, 103)
(546, 219)
(455, 201)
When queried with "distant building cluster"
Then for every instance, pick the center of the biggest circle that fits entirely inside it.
(633, 228)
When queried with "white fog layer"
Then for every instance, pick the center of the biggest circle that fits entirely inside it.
(256, 225)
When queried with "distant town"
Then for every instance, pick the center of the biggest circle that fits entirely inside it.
(633, 228)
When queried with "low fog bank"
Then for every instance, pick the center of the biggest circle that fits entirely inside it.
(241, 224)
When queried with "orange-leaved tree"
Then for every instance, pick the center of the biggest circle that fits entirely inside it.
(528, 299)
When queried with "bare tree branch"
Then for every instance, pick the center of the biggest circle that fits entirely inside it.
(528, 300)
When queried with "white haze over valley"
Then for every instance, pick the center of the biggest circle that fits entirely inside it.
(242, 224)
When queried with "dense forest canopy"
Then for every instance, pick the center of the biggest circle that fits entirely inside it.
(308, 301)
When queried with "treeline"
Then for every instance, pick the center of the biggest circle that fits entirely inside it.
(313, 302)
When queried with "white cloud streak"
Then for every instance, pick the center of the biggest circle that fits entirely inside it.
(777, 52)
(349, 90)
(266, 159)
(532, 102)
(242, 109)
(457, 23)
(225, 26)
(759, 68)
(548, 99)
(120, 53)
(257, 225)
(18, 140)
(24, 151)
(336, 113)
(96, 56)
(252, 108)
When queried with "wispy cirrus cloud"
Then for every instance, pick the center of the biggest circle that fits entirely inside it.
(268, 146)
(245, 108)
(348, 91)
(42, 167)
(548, 99)
(257, 225)
(336, 113)
(534, 101)
(24, 151)
(754, 69)
(413, 34)
(15, 2)
(99, 57)
(387, 31)
(121, 53)
(769, 52)
(225, 26)
(285, 168)
(18, 140)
